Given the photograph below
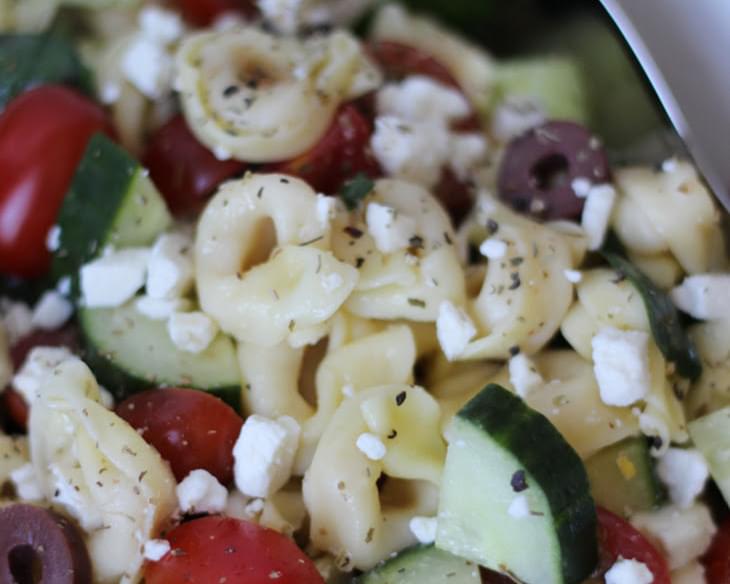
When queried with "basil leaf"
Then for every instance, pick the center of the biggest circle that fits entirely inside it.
(27, 60)
(355, 190)
(669, 334)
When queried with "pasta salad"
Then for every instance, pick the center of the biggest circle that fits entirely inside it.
(317, 291)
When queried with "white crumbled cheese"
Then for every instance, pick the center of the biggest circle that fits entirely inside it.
(683, 534)
(222, 153)
(17, 319)
(629, 572)
(685, 473)
(25, 481)
(170, 270)
(348, 391)
(493, 249)
(52, 311)
(371, 446)
(148, 66)
(669, 165)
(467, 150)
(519, 508)
(704, 296)
(53, 238)
(573, 276)
(110, 93)
(161, 308)
(454, 329)
(64, 286)
(114, 278)
(264, 454)
(155, 549)
(515, 116)
(424, 529)
(332, 282)
(692, 573)
(581, 186)
(284, 15)
(106, 398)
(192, 332)
(597, 214)
(325, 209)
(40, 362)
(411, 151)
(200, 492)
(164, 26)
(255, 507)
(419, 98)
(523, 375)
(390, 229)
(621, 365)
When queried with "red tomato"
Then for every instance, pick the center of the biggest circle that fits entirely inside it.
(343, 152)
(618, 538)
(11, 401)
(398, 61)
(43, 134)
(191, 429)
(184, 170)
(717, 559)
(204, 12)
(222, 549)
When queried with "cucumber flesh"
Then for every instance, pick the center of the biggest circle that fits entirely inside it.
(501, 452)
(423, 564)
(623, 478)
(711, 435)
(129, 352)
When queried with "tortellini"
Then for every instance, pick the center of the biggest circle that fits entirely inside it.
(257, 295)
(262, 98)
(711, 391)
(417, 272)
(343, 481)
(13, 455)
(97, 468)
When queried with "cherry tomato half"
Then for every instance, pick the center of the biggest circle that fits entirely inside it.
(222, 549)
(204, 12)
(343, 152)
(399, 61)
(43, 134)
(191, 429)
(618, 538)
(184, 170)
(717, 558)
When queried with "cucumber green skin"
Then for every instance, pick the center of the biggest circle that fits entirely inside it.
(554, 465)
(422, 564)
(620, 495)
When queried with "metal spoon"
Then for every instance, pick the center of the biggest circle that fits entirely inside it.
(684, 49)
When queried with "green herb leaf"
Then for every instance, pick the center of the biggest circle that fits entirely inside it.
(27, 60)
(356, 190)
(669, 334)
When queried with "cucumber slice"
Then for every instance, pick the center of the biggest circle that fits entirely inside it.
(515, 496)
(129, 352)
(623, 478)
(112, 202)
(711, 435)
(422, 564)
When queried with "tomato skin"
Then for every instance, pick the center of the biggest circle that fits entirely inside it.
(185, 171)
(717, 558)
(43, 134)
(204, 12)
(618, 538)
(222, 549)
(343, 152)
(399, 61)
(190, 429)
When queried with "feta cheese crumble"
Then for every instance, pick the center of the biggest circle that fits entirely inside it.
(161, 25)
(573, 276)
(161, 308)
(581, 187)
(264, 454)
(424, 529)
(192, 332)
(621, 365)
(170, 269)
(371, 446)
(53, 238)
(284, 15)
(17, 319)
(419, 98)
(467, 151)
(25, 482)
(519, 508)
(390, 229)
(200, 492)
(597, 214)
(629, 572)
(155, 549)
(52, 311)
(515, 116)
(148, 66)
(523, 375)
(685, 473)
(114, 278)
(493, 249)
(39, 363)
(704, 296)
(454, 330)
